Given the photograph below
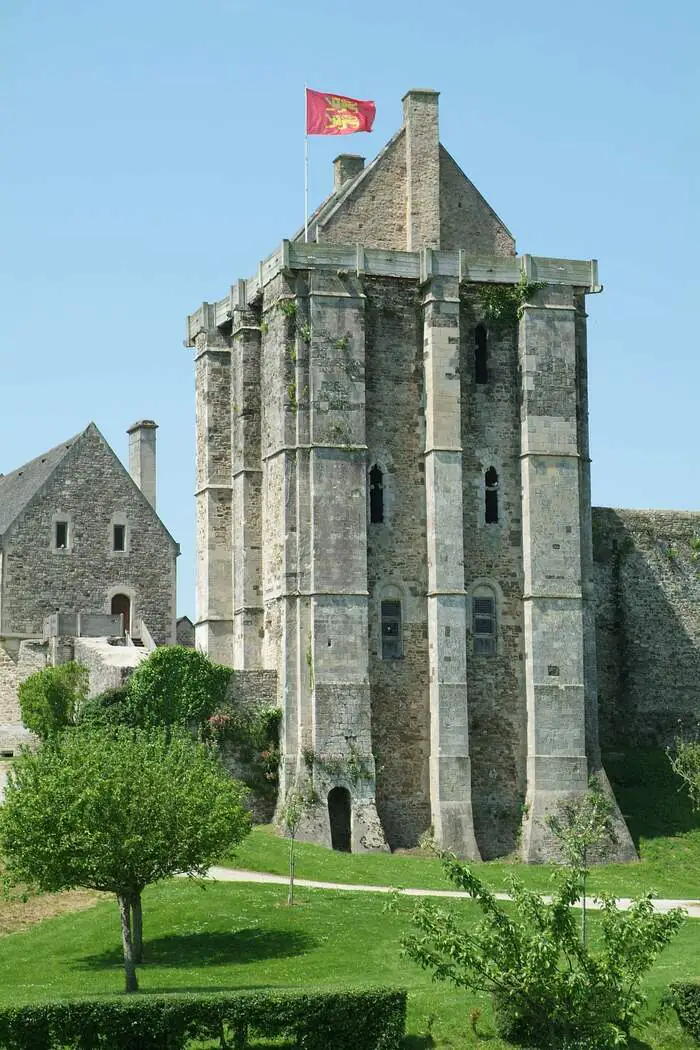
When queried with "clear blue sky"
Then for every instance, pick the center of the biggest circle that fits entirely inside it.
(152, 153)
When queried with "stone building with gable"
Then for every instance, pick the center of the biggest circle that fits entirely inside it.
(82, 553)
(394, 521)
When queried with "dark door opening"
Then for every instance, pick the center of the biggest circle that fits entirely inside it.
(339, 815)
(121, 603)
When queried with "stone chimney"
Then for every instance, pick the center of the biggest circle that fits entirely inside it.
(142, 457)
(420, 117)
(345, 167)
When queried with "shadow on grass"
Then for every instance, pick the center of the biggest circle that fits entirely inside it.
(649, 794)
(209, 949)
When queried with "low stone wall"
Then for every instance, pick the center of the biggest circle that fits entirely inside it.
(18, 659)
(108, 665)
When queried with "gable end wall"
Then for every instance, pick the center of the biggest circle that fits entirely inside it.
(89, 487)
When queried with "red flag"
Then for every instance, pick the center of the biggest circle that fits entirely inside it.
(328, 114)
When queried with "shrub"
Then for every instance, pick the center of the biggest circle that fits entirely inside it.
(105, 709)
(548, 988)
(51, 699)
(372, 1019)
(685, 999)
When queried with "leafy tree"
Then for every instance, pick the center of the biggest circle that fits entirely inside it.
(584, 828)
(51, 699)
(117, 811)
(548, 988)
(684, 757)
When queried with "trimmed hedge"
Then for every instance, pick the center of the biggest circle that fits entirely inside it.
(685, 999)
(371, 1019)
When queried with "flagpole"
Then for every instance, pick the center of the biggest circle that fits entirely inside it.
(306, 173)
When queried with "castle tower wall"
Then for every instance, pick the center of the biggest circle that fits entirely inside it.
(214, 599)
(396, 561)
(315, 567)
(493, 570)
(450, 766)
(246, 467)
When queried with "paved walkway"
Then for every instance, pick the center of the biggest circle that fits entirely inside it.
(237, 875)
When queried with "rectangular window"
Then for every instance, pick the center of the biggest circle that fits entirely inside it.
(484, 626)
(119, 538)
(61, 535)
(392, 639)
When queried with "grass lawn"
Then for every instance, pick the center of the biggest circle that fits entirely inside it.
(665, 830)
(227, 936)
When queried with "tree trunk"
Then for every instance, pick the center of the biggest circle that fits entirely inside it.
(136, 928)
(292, 859)
(129, 970)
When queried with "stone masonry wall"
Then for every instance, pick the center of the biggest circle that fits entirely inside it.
(647, 572)
(466, 220)
(376, 212)
(88, 488)
(17, 661)
(396, 557)
(493, 557)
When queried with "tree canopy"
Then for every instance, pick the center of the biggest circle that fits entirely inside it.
(117, 810)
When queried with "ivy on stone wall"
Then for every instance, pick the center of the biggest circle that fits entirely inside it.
(504, 304)
(252, 734)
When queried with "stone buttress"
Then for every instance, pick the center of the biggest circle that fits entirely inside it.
(214, 603)
(450, 769)
(246, 466)
(316, 565)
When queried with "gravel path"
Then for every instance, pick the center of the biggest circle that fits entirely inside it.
(237, 875)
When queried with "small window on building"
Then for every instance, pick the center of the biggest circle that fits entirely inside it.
(61, 535)
(376, 496)
(484, 624)
(392, 634)
(119, 537)
(481, 374)
(491, 497)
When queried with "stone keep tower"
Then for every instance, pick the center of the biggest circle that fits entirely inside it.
(393, 508)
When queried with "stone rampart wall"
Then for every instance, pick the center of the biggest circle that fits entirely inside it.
(647, 569)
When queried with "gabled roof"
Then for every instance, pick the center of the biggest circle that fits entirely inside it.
(19, 487)
(337, 197)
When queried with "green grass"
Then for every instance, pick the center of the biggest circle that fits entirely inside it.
(665, 830)
(227, 936)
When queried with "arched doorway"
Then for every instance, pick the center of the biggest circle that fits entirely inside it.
(121, 603)
(339, 816)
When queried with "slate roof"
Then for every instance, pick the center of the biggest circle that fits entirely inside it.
(17, 488)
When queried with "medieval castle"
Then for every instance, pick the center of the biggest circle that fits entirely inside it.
(394, 526)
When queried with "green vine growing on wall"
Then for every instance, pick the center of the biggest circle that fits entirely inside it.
(504, 304)
(353, 766)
